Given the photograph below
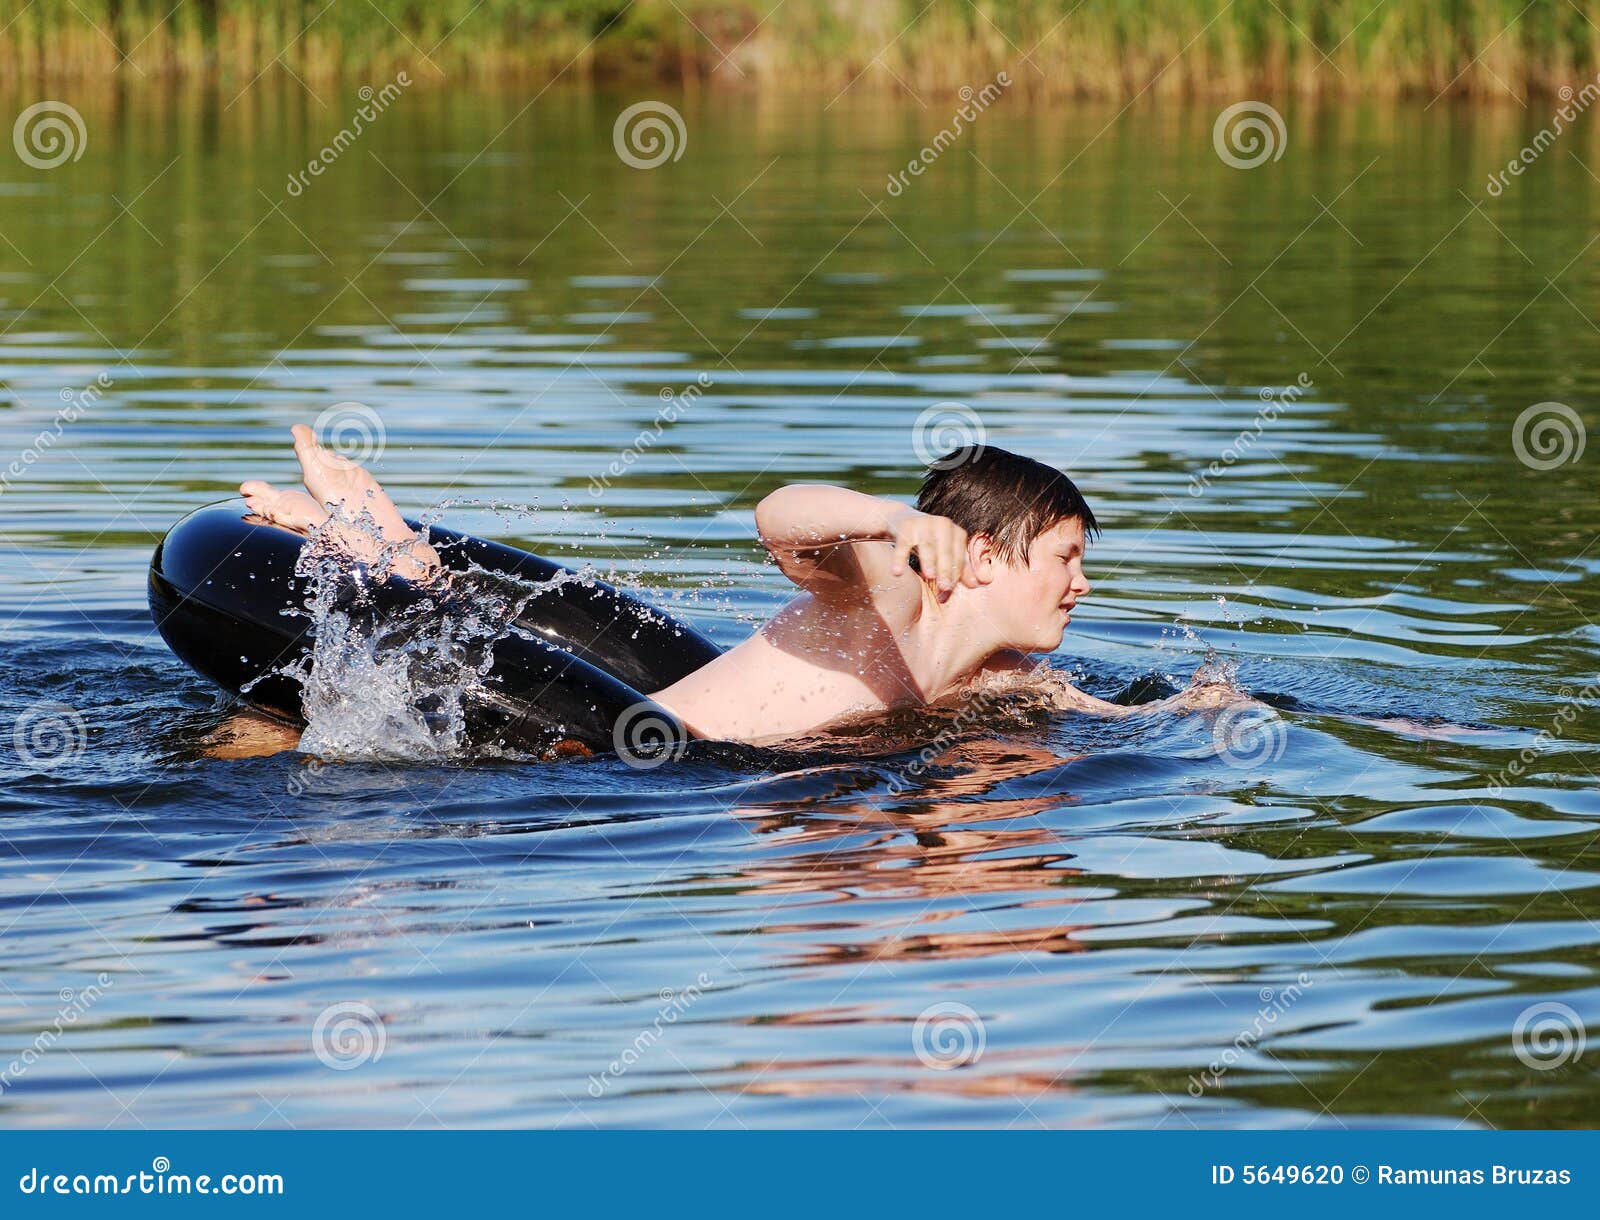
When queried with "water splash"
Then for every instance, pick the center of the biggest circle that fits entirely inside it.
(390, 677)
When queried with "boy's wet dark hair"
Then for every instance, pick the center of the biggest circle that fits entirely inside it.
(1011, 498)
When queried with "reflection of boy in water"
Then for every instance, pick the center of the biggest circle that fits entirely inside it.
(899, 606)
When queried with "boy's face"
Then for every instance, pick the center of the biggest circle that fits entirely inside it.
(1034, 600)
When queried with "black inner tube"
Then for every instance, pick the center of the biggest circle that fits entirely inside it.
(226, 597)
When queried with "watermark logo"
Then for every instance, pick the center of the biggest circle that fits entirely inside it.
(352, 430)
(1573, 104)
(74, 404)
(1547, 435)
(673, 404)
(49, 735)
(306, 778)
(1248, 134)
(947, 1036)
(373, 103)
(157, 1180)
(975, 706)
(1248, 737)
(1548, 1034)
(645, 736)
(74, 1004)
(1274, 402)
(973, 103)
(1275, 1001)
(1571, 708)
(673, 1005)
(348, 1034)
(648, 134)
(48, 134)
(947, 434)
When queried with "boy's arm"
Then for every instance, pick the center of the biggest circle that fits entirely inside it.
(811, 530)
(1068, 696)
(1203, 691)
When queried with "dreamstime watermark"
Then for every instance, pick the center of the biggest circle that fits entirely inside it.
(373, 103)
(157, 1180)
(1547, 435)
(348, 1034)
(1248, 134)
(974, 707)
(973, 103)
(74, 1004)
(1241, 445)
(306, 778)
(948, 1035)
(648, 134)
(49, 734)
(1274, 1003)
(48, 134)
(673, 404)
(1574, 103)
(673, 1005)
(1250, 736)
(74, 404)
(365, 726)
(948, 434)
(352, 430)
(1548, 1034)
(1571, 704)
(645, 735)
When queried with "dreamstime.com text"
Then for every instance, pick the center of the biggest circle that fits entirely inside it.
(157, 1180)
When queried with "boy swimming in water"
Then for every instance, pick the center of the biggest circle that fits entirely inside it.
(899, 606)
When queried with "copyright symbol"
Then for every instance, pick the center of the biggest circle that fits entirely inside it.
(1360, 1174)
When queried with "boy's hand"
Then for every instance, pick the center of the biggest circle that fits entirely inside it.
(939, 544)
(1208, 689)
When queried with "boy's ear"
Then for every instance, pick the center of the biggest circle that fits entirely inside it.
(981, 556)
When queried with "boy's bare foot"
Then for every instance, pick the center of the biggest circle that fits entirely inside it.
(342, 484)
(298, 511)
(292, 509)
(357, 504)
(350, 492)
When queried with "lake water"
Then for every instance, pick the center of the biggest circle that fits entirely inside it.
(1291, 393)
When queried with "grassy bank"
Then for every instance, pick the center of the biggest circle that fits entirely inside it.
(1103, 48)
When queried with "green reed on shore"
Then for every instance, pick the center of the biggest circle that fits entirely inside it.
(1103, 48)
